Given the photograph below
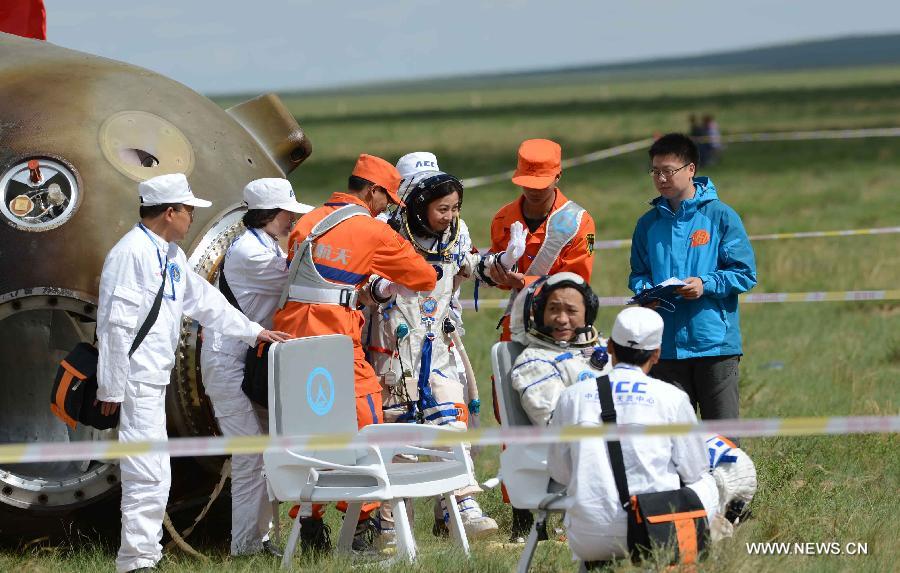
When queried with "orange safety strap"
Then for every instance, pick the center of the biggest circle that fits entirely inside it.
(75, 372)
(686, 533)
(634, 508)
(59, 407)
(684, 515)
(381, 350)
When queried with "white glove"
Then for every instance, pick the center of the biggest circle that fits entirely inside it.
(516, 246)
(386, 289)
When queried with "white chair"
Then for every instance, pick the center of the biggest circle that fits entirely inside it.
(523, 467)
(310, 394)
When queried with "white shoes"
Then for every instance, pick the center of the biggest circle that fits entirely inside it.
(475, 522)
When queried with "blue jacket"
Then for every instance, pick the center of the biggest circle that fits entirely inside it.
(705, 239)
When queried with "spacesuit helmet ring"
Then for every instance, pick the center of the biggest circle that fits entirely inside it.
(527, 314)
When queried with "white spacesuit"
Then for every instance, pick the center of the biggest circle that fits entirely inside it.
(411, 334)
(547, 366)
(131, 276)
(255, 268)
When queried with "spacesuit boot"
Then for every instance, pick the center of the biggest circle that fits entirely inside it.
(475, 522)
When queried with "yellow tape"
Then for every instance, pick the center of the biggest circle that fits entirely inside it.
(412, 434)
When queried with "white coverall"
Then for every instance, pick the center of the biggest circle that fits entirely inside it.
(129, 282)
(595, 522)
(256, 270)
(542, 371)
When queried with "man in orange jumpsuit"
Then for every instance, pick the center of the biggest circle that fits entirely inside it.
(561, 233)
(339, 245)
(560, 239)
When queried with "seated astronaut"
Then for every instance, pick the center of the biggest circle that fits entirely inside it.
(554, 317)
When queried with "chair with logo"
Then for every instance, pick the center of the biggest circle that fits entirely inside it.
(310, 395)
(523, 466)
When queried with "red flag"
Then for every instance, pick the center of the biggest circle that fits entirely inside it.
(26, 18)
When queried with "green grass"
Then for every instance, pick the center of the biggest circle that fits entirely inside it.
(800, 359)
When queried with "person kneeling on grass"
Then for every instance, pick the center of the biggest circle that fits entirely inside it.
(596, 523)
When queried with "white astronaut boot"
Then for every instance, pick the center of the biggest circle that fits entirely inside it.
(475, 522)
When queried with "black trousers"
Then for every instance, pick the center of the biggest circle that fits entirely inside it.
(711, 382)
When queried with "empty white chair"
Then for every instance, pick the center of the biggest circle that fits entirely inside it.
(311, 394)
(523, 466)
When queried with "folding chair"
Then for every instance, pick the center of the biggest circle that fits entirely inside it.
(523, 466)
(310, 394)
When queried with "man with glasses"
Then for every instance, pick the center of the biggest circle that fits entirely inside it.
(691, 235)
(333, 250)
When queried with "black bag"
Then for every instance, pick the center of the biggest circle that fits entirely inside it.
(256, 365)
(74, 395)
(673, 518)
(256, 374)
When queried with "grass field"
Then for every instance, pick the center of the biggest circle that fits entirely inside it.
(800, 359)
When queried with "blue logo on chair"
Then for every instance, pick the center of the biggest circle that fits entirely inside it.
(320, 391)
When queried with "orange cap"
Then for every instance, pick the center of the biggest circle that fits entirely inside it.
(381, 173)
(539, 163)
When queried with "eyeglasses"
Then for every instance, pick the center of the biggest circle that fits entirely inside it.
(665, 173)
(188, 210)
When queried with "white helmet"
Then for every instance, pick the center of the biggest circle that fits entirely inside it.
(526, 321)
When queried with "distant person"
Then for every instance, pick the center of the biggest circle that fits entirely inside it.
(596, 523)
(692, 235)
(711, 148)
(696, 129)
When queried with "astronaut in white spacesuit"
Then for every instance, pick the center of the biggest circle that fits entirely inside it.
(412, 335)
(554, 317)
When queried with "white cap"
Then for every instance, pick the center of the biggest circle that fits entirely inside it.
(172, 188)
(417, 162)
(273, 193)
(639, 328)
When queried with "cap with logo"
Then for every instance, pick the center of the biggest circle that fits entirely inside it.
(379, 172)
(417, 162)
(273, 193)
(539, 163)
(172, 188)
(639, 328)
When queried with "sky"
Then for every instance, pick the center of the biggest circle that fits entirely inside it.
(227, 46)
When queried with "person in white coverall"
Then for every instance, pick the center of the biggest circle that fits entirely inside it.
(554, 316)
(255, 272)
(595, 522)
(129, 282)
(411, 335)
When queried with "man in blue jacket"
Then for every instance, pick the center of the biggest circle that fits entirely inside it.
(691, 235)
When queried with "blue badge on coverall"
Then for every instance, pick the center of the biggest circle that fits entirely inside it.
(175, 272)
(320, 391)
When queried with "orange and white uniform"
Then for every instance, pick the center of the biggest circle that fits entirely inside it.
(569, 227)
(345, 256)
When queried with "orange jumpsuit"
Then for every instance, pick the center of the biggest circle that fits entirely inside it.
(348, 254)
(576, 257)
